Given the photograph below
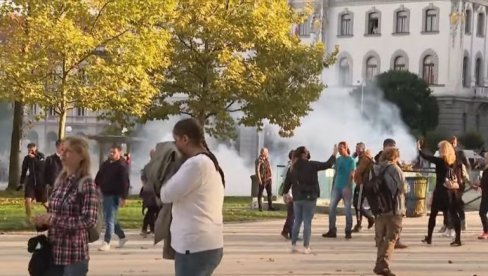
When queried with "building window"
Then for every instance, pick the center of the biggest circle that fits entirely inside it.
(400, 64)
(373, 23)
(481, 24)
(304, 28)
(345, 77)
(401, 22)
(478, 72)
(371, 68)
(346, 25)
(467, 22)
(466, 71)
(428, 72)
(431, 20)
(80, 111)
(33, 109)
(51, 112)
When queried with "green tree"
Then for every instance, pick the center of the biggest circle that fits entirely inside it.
(472, 140)
(237, 62)
(97, 54)
(418, 107)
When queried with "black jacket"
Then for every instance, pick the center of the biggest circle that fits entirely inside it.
(113, 178)
(35, 167)
(302, 178)
(53, 168)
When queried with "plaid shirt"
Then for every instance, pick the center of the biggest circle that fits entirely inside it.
(73, 213)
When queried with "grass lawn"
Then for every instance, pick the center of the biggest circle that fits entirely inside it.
(236, 209)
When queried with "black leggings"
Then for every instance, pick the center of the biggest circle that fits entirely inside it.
(150, 218)
(454, 210)
(267, 186)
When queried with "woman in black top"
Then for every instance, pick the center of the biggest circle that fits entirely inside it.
(303, 180)
(443, 199)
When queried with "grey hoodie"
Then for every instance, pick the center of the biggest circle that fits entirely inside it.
(396, 183)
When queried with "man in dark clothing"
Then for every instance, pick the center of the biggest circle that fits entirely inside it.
(53, 165)
(290, 218)
(113, 180)
(389, 143)
(32, 177)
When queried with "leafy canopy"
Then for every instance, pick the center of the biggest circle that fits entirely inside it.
(237, 62)
(97, 54)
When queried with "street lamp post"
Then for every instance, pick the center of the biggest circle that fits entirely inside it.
(362, 95)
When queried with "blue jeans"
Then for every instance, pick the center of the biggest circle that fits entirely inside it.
(110, 208)
(76, 269)
(346, 195)
(198, 264)
(304, 211)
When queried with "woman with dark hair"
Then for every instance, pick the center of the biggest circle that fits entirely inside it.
(445, 199)
(302, 179)
(197, 193)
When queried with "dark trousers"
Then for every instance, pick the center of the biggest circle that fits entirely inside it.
(267, 186)
(358, 200)
(150, 218)
(290, 218)
(454, 209)
(484, 209)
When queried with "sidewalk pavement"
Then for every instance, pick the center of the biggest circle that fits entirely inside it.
(258, 249)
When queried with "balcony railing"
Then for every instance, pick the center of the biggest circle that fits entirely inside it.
(480, 92)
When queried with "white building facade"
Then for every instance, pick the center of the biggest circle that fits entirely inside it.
(44, 132)
(443, 41)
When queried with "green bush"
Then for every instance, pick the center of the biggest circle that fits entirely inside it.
(432, 139)
(472, 140)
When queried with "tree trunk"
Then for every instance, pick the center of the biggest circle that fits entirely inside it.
(62, 124)
(13, 170)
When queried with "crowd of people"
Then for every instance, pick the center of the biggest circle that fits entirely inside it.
(379, 194)
(76, 203)
(191, 186)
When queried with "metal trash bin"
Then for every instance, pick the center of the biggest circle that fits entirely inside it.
(254, 191)
(416, 196)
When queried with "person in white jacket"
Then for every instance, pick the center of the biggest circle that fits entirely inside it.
(197, 194)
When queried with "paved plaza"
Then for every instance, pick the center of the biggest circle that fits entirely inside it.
(258, 249)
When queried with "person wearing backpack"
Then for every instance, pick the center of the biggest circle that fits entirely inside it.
(446, 195)
(391, 191)
(342, 190)
(197, 193)
(73, 211)
(303, 181)
(388, 143)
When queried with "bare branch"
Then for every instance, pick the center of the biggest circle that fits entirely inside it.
(100, 12)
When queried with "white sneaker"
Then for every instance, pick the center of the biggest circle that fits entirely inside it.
(448, 233)
(122, 242)
(307, 250)
(105, 247)
(294, 249)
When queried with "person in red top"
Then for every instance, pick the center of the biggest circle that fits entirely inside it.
(73, 208)
(264, 177)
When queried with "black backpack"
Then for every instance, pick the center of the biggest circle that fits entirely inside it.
(378, 194)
